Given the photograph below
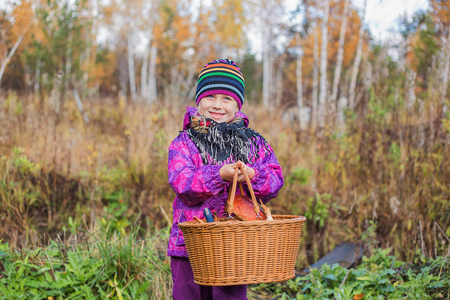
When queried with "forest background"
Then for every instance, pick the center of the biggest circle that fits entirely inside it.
(361, 131)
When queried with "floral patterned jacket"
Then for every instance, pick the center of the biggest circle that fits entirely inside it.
(198, 186)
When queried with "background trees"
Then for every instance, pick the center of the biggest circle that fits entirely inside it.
(151, 50)
(361, 126)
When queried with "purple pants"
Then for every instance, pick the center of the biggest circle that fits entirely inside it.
(184, 287)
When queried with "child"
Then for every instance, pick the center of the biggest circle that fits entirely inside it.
(201, 166)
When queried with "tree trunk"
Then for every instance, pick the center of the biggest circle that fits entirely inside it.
(189, 81)
(323, 63)
(266, 66)
(299, 83)
(340, 54)
(351, 97)
(153, 95)
(131, 70)
(315, 80)
(123, 77)
(144, 73)
(87, 58)
(410, 87)
(68, 66)
(37, 76)
(10, 54)
(445, 72)
(279, 81)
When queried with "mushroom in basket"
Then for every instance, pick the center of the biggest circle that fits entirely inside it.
(244, 207)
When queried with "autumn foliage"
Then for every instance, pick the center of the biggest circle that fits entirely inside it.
(92, 93)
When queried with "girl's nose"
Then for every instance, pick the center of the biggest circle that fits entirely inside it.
(217, 103)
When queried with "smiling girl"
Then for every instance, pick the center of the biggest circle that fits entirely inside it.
(202, 161)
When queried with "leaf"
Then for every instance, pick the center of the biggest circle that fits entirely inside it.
(358, 296)
(330, 277)
(119, 293)
(364, 278)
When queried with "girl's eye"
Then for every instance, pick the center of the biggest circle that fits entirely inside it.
(210, 96)
(227, 99)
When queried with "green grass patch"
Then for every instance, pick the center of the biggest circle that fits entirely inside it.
(105, 267)
(379, 276)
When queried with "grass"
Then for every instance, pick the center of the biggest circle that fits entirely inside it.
(387, 174)
(103, 266)
(110, 265)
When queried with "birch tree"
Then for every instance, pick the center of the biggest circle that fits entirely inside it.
(127, 22)
(91, 29)
(340, 55)
(268, 15)
(23, 19)
(267, 66)
(148, 74)
(300, 105)
(441, 16)
(8, 57)
(151, 82)
(315, 79)
(323, 62)
(131, 69)
(148, 79)
(144, 72)
(57, 44)
(356, 63)
(279, 80)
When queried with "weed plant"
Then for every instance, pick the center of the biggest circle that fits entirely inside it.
(380, 276)
(103, 267)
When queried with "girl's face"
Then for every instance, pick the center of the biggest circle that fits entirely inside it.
(219, 107)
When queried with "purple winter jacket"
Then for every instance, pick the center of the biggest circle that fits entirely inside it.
(198, 186)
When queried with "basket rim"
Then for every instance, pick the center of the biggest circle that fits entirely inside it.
(281, 219)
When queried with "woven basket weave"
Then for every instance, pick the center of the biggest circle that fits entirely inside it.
(243, 252)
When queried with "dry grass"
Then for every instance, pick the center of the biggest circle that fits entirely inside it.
(382, 182)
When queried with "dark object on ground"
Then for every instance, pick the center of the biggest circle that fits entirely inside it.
(345, 254)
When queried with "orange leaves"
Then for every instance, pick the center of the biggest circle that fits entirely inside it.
(336, 18)
(24, 21)
(230, 11)
(23, 17)
(441, 15)
(358, 296)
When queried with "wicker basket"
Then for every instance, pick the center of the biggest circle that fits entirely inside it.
(243, 252)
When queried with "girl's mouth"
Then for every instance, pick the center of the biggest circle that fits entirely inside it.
(214, 114)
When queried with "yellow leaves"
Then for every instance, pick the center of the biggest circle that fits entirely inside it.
(230, 11)
(108, 12)
(115, 285)
(364, 278)
(92, 157)
(122, 102)
(23, 22)
(397, 283)
(23, 17)
(100, 72)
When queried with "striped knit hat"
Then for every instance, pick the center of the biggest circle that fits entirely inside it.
(221, 76)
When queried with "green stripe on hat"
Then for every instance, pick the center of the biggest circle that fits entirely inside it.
(221, 74)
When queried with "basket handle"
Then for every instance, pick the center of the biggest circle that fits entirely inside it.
(232, 193)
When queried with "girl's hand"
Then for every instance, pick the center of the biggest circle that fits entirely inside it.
(227, 172)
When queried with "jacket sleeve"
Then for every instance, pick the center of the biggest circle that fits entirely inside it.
(192, 183)
(268, 179)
